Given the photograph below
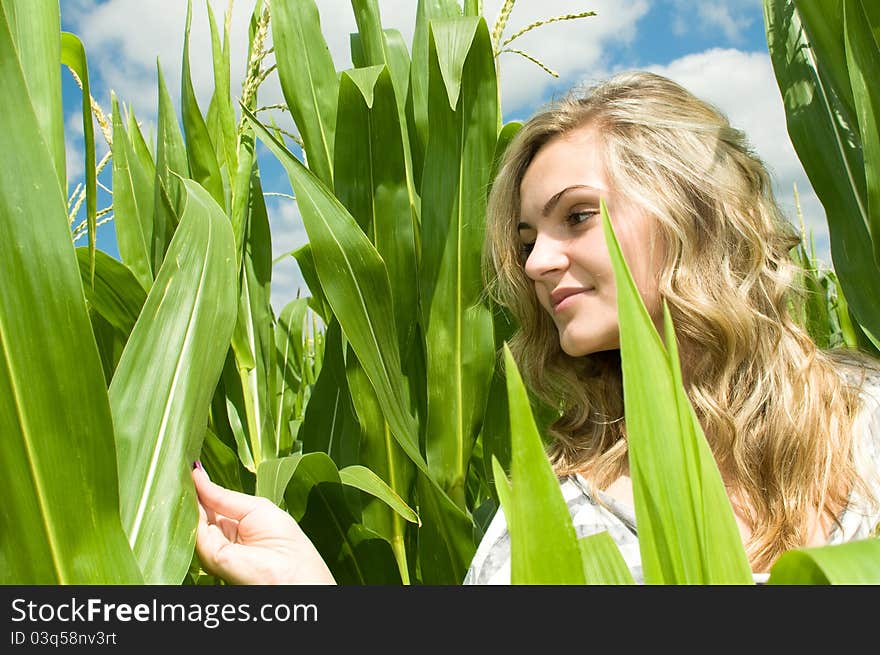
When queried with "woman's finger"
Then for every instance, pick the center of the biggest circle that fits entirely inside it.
(220, 500)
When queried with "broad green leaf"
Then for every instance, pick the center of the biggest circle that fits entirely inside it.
(495, 430)
(383, 48)
(221, 462)
(308, 80)
(73, 55)
(458, 161)
(199, 148)
(330, 425)
(35, 28)
(110, 341)
(473, 7)
(687, 530)
(178, 344)
(289, 336)
(254, 339)
(603, 562)
(379, 451)
(305, 260)
(117, 296)
(221, 116)
(863, 64)
(851, 563)
(132, 205)
(59, 520)
(142, 150)
(446, 543)
(806, 42)
(505, 136)
(543, 543)
(823, 25)
(273, 475)
(370, 174)
(355, 280)
(227, 407)
(360, 477)
(317, 499)
(417, 110)
(171, 167)
(814, 314)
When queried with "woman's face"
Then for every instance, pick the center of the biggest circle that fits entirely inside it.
(562, 237)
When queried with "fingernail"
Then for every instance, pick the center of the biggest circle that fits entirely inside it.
(198, 465)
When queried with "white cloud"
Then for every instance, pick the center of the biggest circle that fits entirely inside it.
(731, 17)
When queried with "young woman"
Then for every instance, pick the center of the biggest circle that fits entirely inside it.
(795, 430)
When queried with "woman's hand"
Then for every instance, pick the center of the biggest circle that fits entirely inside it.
(249, 540)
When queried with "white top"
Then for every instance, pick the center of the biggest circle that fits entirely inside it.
(491, 562)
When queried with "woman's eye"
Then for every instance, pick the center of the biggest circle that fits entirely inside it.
(576, 218)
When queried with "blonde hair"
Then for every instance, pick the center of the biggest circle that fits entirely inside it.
(774, 407)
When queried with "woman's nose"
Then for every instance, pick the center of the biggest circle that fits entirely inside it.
(546, 257)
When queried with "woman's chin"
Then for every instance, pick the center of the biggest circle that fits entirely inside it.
(581, 347)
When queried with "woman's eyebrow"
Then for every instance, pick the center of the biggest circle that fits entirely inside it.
(551, 204)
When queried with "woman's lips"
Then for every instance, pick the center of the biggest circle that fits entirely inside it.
(569, 299)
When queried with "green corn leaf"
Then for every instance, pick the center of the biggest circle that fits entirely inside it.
(143, 152)
(371, 180)
(379, 451)
(473, 8)
(383, 48)
(73, 55)
(330, 425)
(863, 64)
(355, 280)
(35, 28)
(273, 476)
(603, 562)
(427, 11)
(171, 167)
(543, 543)
(230, 417)
(360, 477)
(289, 336)
(178, 344)
(132, 204)
(110, 341)
(308, 80)
(199, 148)
(60, 514)
(117, 296)
(317, 499)
(221, 116)
(253, 340)
(221, 462)
(446, 543)
(459, 330)
(687, 530)
(806, 45)
(851, 563)
(318, 302)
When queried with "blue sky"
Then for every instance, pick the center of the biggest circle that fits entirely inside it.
(715, 48)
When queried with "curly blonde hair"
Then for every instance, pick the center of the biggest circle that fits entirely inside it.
(775, 409)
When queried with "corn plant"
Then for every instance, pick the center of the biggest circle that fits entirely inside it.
(97, 478)
(826, 59)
